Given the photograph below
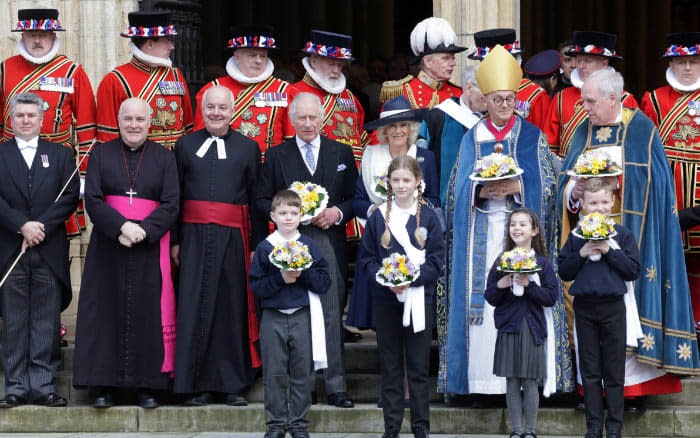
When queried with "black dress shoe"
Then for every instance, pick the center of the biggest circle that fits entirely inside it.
(202, 399)
(236, 400)
(580, 406)
(275, 433)
(351, 336)
(104, 400)
(299, 433)
(314, 397)
(390, 432)
(52, 400)
(419, 432)
(636, 405)
(340, 400)
(12, 401)
(147, 401)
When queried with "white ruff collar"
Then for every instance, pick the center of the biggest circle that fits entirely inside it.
(233, 71)
(676, 84)
(332, 87)
(576, 80)
(153, 61)
(41, 59)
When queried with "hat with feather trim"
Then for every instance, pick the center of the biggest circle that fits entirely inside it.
(434, 35)
(150, 24)
(31, 20)
(329, 45)
(396, 110)
(499, 71)
(252, 36)
(485, 41)
(594, 43)
(682, 44)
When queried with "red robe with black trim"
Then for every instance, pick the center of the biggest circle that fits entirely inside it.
(566, 106)
(425, 92)
(532, 103)
(70, 116)
(679, 130)
(163, 88)
(344, 116)
(261, 120)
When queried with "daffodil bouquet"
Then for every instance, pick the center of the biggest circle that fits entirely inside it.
(495, 165)
(594, 163)
(595, 226)
(397, 270)
(314, 198)
(291, 255)
(381, 186)
(519, 260)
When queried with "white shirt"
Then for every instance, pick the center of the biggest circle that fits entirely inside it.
(315, 149)
(28, 149)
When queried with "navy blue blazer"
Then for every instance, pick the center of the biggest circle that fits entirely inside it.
(372, 253)
(426, 161)
(510, 309)
(266, 280)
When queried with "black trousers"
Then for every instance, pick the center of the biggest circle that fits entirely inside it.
(31, 306)
(601, 332)
(393, 342)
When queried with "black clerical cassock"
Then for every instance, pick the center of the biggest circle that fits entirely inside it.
(217, 326)
(125, 333)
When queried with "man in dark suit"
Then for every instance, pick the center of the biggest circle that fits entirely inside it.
(32, 174)
(310, 157)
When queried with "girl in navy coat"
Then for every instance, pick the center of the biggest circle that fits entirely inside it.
(404, 314)
(522, 328)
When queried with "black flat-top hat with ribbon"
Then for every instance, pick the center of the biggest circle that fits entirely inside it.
(682, 44)
(594, 43)
(486, 40)
(543, 65)
(329, 45)
(396, 110)
(252, 36)
(434, 35)
(30, 20)
(150, 24)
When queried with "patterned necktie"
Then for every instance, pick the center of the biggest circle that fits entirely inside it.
(309, 157)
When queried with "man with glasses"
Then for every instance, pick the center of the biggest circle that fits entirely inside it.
(592, 51)
(478, 213)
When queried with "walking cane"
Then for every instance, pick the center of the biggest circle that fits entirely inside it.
(24, 246)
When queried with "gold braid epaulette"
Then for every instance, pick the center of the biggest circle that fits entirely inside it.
(391, 89)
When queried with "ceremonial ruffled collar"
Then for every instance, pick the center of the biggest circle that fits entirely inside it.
(152, 61)
(332, 87)
(576, 80)
(41, 59)
(237, 75)
(676, 84)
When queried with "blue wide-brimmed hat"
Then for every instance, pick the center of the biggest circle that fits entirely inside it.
(594, 43)
(255, 36)
(150, 24)
(486, 40)
(329, 45)
(543, 65)
(395, 110)
(682, 44)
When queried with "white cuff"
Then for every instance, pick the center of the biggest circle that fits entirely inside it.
(571, 205)
(341, 216)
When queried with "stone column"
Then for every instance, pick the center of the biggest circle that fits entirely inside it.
(470, 16)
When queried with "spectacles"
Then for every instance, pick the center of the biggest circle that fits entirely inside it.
(499, 101)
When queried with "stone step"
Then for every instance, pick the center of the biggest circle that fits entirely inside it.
(363, 419)
(235, 435)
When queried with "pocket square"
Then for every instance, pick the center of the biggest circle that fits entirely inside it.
(341, 167)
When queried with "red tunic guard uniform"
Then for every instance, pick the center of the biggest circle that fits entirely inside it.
(422, 91)
(532, 103)
(163, 88)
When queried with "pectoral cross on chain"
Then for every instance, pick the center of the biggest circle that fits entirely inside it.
(131, 194)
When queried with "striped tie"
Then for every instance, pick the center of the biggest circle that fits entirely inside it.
(309, 157)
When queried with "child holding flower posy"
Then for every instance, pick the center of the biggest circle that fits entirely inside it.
(287, 272)
(409, 235)
(520, 354)
(600, 270)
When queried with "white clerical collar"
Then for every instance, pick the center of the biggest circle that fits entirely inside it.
(233, 71)
(316, 142)
(576, 80)
(31, 143)
(151, 60)
(333, 87)
(676, 84)
(39, 60)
